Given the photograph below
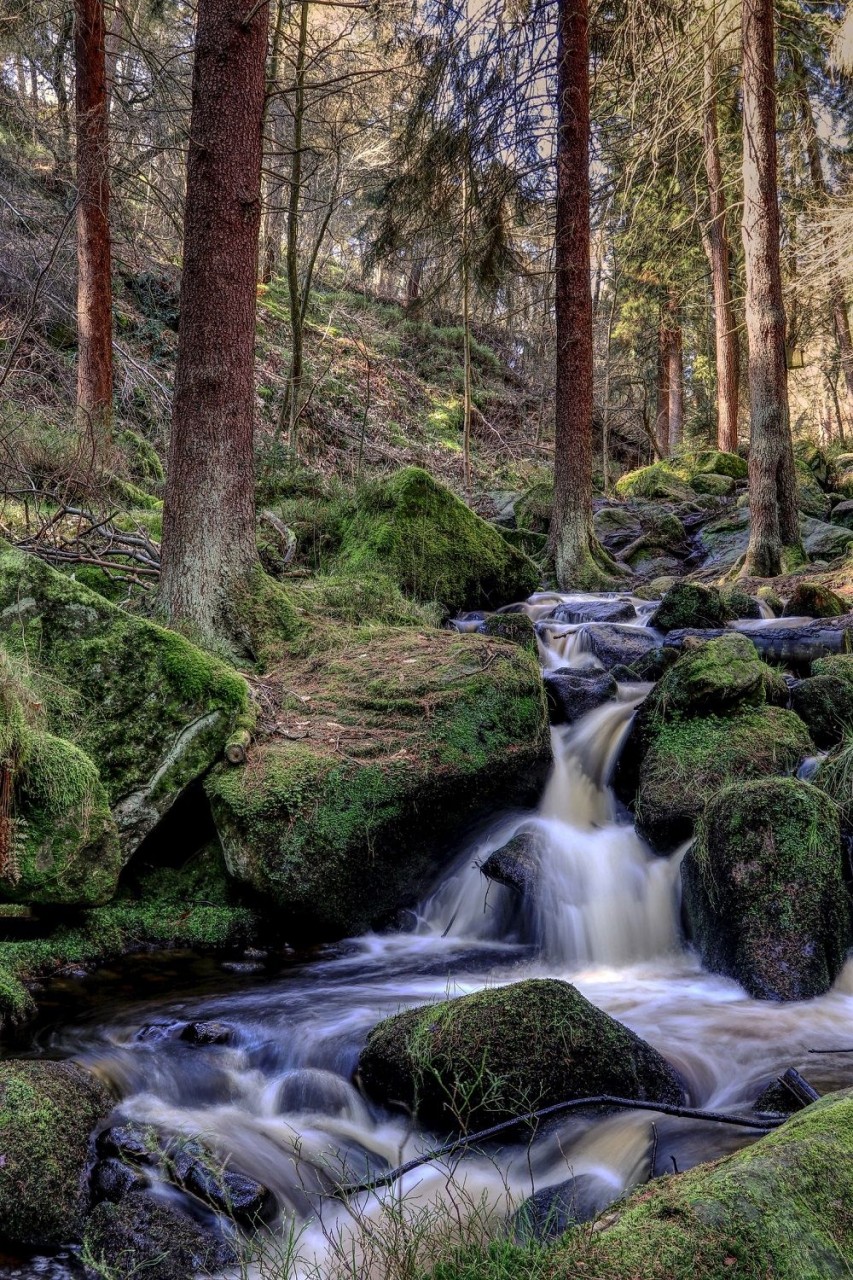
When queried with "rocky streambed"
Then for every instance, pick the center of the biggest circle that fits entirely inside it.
(669, 924)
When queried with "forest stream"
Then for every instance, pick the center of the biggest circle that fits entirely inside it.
(279, 1098)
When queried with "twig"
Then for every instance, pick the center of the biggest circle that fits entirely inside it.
(34, 297)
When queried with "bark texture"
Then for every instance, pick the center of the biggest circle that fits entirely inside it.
(662, 412)
(94, 269)
(580, 560)
(209, 551)
(675, 375)
(774, 523)
(717, 249)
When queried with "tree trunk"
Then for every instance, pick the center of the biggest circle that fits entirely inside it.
(774, 523)
(580, 561)
(662, 414)
(675, 378)
(296, 309)
(94, 272)
(719, 260)
(209, 552)
(466, 338)
(275, 218)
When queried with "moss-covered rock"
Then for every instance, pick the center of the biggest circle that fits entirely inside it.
(533, 509)
(327, 819)
(772, 599)
(657, 481)
(47, 1113)
(718, 486)
(842, 513)
(764, 890)
(515, 627)
(477, 1060)
(690, 760)
(739, 603)
(711, 677)
(149, 708)
(811, 499)
(778, 1208)
(822, 541)
(825, 704)
(689, 604)
(812, 456)
(839, 665)
(715, 462)
(813, 600)
(415, 530)
(141, 1236)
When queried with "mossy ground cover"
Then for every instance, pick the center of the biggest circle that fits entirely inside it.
(370, 754)
(780, 1209)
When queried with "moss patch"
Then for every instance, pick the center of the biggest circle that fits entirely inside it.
(689, 604)
(657, 481)
(328, 817)
(764, 889)
(483, 1058)
(812, 600)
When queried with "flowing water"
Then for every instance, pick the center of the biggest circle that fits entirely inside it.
(280, 1102)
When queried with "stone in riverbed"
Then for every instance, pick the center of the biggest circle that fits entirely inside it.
(551, 1211)
(207, 1033)
(812, 600)
(571, 693)
(468, 1063)
(143, 1236)
(593, 611)
(516, 865)
(112, 1179)
(689, 604)
(764, 889)
(47, 1113)
(825, 704)
(616, 645)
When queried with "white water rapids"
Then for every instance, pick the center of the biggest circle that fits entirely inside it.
(280, 1101)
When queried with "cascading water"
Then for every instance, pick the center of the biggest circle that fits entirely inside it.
(279, 1100)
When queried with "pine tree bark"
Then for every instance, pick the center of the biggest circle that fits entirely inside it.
(580, 561)
(209, 554)
(774, 524)
(94, 268)
(717, 249)
(662, 414)
(675, 375)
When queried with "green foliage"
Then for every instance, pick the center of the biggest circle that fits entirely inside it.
(658, 481)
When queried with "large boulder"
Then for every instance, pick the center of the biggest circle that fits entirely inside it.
(141, 1236)
(516, 865)
(822, 541)
(412, 528)
(764, 889)
(813, 600)
(689, 604)
(690, 760)
(726, 539)
(777, 1208)
(500, 1053)
(614, 644)
(711, 482)
(825, 704)
(711, 678)
(659, 481)
(842, 514)
(811, 499)
(572, 693)
(150, 710)
(716, 462)
(578, 610)
(47, 1113)
(327, 819)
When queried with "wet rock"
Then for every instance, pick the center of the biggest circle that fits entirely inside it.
(689, 604)
(515, 627)
(233, 1194)
(825, 703)
(207, 1033)
(689, 760)
(740, 604)
(491, 1056)
(113, 1179)
(143, 1236)
(516, 864)
(47, 1113)
(571, 693)
(549, 1212)
(812, 600)
(772, 599)
(593, 611)
(137, 1143)
(764, 889)
(775, 1099)
(654, 664)
(612, 644)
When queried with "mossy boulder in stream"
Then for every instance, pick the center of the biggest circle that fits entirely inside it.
(480, 1059)
(690, 759)
(813, 600)
(150, 709)
(764, 890)
(689, 604)
(47, 1113)
(779, 1208)
(374, 755)
(141, 1236)
(825, 704)
(412, 528)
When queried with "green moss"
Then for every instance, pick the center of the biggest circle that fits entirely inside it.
(689, 604)
(779, 1208)
(813, 600)
(413, 529)
(516, 627)
(764, 888)
(715, 462)
(709, 482)
(392, 725)
(534, 507)
(839, 665)
(690, 760)
(477, 1060)
(144, 460)
(811, 499)
(47, 1112)
(350, 600)
(825, 703)
(657, 481)
(712, 677)
(739, 603)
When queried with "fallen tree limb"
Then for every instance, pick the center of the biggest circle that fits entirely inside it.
(763, 1125)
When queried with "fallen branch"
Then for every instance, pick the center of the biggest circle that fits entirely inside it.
(764, 1125)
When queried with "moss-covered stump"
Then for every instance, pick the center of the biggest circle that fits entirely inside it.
(689, 604)
(779, 1208)
(419, 533)
(690, 760)
(141, 1236)
(812, 600)
(471, 1062)
(373, 756)
(47, 1113)
(764, 890)
(825, 704)
(150, 709)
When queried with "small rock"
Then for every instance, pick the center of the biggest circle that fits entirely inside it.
(230, 1193)
(241, 966)
(137, 1143)
(549, 1212)
(594, 611)
(207, 1033)
(571, 694)
(143, 1236)
(113, 1179)
(516, 864)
